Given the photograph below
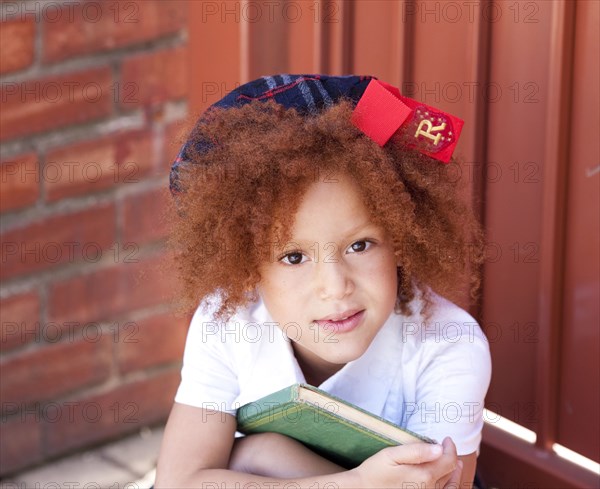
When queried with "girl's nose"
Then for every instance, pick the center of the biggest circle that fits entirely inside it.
(333, 280)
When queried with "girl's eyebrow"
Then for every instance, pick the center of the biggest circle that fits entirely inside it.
(359, 227)
(347, 234)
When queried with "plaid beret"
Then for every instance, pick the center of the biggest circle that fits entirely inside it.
(380, 110)
(308, 94)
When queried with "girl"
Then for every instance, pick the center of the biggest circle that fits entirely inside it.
(320, 232)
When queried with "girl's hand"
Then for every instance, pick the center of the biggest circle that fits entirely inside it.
(421, 464)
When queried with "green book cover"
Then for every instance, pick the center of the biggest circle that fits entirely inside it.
(328, 425)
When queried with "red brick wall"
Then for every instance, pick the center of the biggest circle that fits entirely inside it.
(93, 95)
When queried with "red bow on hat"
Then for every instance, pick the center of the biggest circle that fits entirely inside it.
(382, 111)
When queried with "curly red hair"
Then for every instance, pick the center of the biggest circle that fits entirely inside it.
(239, 197)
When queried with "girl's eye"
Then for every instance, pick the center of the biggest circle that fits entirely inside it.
(359, 246)
(293, 258)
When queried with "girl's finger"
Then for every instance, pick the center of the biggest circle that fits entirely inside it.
(449, 446)
(415, 453)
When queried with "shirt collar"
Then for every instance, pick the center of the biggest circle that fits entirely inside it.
(367, 381)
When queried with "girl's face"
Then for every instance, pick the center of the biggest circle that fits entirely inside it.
(334, 285)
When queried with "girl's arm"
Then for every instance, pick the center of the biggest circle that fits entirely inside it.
(194, 439)
(275, 455)
(468, 473)
(197, 447)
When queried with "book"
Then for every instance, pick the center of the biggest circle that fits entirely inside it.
(328, 425)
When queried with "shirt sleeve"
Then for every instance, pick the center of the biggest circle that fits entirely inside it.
(208, 378)
(455, 373)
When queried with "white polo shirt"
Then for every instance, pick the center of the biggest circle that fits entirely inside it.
(429, 376)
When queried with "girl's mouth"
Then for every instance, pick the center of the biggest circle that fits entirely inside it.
(345, 323)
